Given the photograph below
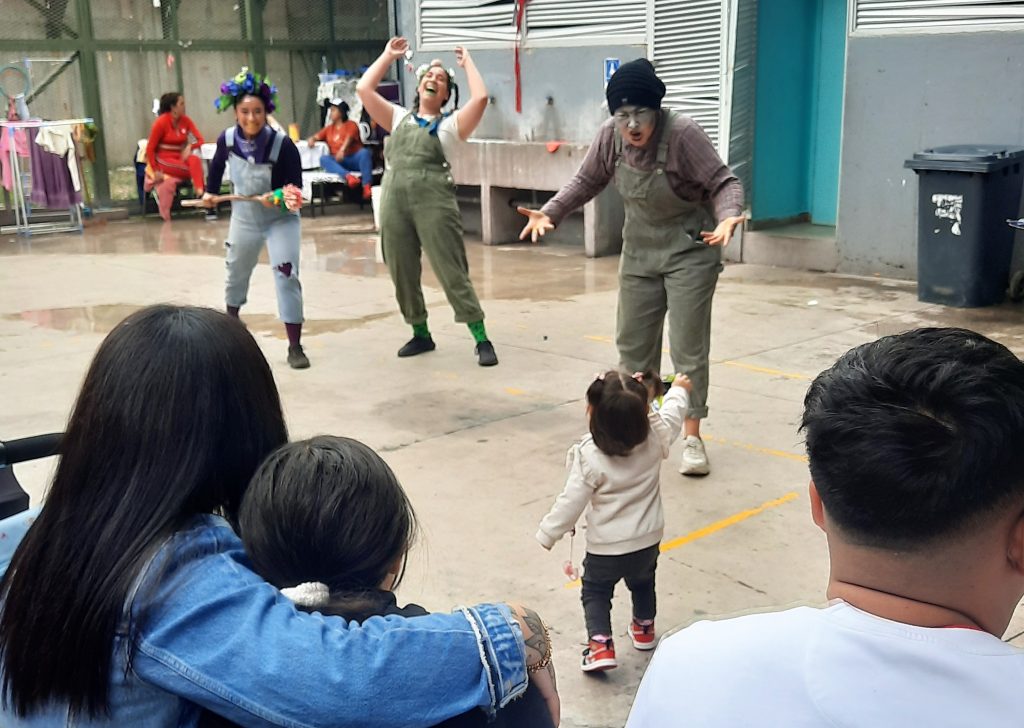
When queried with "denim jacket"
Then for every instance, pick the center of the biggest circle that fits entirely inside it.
(219, 637)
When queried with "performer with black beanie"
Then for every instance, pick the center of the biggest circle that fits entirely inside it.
(682, 204)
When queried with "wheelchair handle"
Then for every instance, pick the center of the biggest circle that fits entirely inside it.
(30, 448)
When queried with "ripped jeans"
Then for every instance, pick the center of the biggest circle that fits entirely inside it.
(246, 235)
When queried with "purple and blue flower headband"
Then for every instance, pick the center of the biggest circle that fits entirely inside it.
(246, 83)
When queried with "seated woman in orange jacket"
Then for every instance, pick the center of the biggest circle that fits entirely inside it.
(172, 140)
(347, 151)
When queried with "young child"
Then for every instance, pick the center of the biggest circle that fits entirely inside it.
(615, 474)
(326, 521)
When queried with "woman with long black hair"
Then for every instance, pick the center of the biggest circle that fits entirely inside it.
(131, 602)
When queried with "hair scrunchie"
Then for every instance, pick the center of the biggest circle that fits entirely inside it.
(309, 594)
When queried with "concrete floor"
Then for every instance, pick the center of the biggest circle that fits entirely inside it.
(481, 451)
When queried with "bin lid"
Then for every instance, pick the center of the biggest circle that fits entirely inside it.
(966, 157)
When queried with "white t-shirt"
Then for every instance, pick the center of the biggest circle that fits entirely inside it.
(447, 130)
(838, 667)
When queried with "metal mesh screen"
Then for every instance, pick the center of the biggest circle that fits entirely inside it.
(361, 20)
(211, 19)
(131, 19)
(295, 75)
(35, 19)
(55, 82)
(128, 118)
(182, 45)
(203, 72)
(297, 20)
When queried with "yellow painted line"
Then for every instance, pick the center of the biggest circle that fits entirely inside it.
(514, 392)
(602, 339)
(755, 448)
(715, 527)
(766, 370)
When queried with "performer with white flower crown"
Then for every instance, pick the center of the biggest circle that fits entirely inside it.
(418, 207)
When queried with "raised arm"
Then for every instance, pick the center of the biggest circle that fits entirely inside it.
(469, 116)
(377, 106)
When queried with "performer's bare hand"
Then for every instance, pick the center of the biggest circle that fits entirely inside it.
(292, 197)
(723, 233)
(207, 200)
(267, 200)
(158, 176)
(461, 56)
(538, 224)
(396, 48)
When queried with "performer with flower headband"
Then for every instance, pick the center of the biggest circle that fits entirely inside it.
(265, 167)
(418, 207)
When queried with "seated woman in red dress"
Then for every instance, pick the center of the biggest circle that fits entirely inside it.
(172, 140)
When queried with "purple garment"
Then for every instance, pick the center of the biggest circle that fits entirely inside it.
(51, 179)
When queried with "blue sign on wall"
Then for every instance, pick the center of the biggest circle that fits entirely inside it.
(611, 65)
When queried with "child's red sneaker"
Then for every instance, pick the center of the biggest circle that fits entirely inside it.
(351, 180)
(642, 635)
(599, 656)
(367, 192)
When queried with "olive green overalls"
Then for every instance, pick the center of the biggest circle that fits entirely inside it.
(664, 267)
(419, 211)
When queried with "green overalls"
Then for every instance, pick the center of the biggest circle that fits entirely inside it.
(419, 211)
(664, 267)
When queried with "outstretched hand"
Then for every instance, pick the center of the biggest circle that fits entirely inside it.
(723, 232)
(396, 48)
(461, 56)
(536, 226)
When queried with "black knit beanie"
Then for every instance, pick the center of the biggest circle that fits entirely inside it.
(635, 84)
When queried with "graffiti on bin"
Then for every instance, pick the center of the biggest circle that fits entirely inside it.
(949, 207)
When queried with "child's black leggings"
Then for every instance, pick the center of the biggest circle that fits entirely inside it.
(602, 573)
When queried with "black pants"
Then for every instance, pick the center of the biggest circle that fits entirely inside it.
(602, 573)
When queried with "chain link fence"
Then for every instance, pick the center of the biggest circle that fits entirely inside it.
(110, 59)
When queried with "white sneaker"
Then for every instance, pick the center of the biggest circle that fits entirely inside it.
(695, 459)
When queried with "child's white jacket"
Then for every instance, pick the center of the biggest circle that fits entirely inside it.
(621, 494)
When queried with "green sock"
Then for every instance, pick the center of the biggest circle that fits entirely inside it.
(477, 329)
(421, 331)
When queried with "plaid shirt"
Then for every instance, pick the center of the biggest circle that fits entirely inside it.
(695, 171)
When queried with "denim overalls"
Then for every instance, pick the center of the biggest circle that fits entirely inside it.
(252, 224)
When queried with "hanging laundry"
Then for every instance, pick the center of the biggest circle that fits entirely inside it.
(51, 177)
(20, 148)
(58, 140)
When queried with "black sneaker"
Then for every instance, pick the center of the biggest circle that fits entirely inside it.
(417, 345)
(297, 358)
(485, 354)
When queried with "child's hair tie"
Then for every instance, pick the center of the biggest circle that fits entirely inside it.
(309, 594)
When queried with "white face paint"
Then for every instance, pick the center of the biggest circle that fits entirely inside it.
(636, 123)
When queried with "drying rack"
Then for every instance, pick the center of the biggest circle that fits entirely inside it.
(22, 206)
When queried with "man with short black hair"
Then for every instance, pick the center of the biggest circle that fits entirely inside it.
(916, 450)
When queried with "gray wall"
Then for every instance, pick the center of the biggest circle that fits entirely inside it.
(903, 94)
(572, 77)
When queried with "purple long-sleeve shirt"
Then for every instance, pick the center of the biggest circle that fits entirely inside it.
(695, 171)
(287, 170)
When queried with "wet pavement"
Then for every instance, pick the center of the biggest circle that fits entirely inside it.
(481, 451)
